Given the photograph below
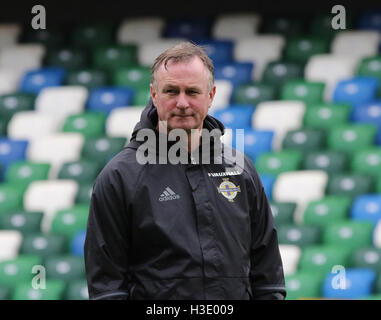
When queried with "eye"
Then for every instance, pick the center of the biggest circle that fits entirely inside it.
(192, 92)
(171, 91)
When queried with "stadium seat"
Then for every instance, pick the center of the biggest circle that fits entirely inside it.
(10, 241)
(140, 30)
(11, 197)
(377, 236)
(354, 284)
(54, 290)
(278, 162)
(52, 37)
(366, 257)
(308, 92)
(356, 91)
(290, 255)
(369, 67)
(280, 117)
(190, 28)
(352, 234)
(222, 98)
(121, 121)
(327, 210)
(15, 102)
(254, 93)
(329, 161)
(235, 117)
(237, 72)
(278, 73)
(300, 236)
(64, 267)
(5, 293)
(268, 181)
(11, 150)
(349, 184)
(304, 140)
(70, 221)
(234, 26)
(92, 35)
(368, 113)
(303, 285)
(50, 196)
(259, 49)
(77, 290)
(25, 172)
(219, 51)
(136, 77)
(9, 81)
(370, 20)
(84, 194)
(28, 125)
(23, 221)
(77, 243)
(352, 138)
(67, 57)
(9, 34)
(367, 161)
(327, 115)
(43, 245)
(105, 99)
(283, 212)
(142, 96)
(89, 124)
(82, 171)
(35, 80)
(367, 207)
(56, 149)
(113, 57)
(321, 24)
(282, 25)
(89, 78)
(302, 48)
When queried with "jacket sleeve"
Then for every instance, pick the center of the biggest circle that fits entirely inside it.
(106, 245)
(266, 274)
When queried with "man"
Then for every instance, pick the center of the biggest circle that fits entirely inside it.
(194, 230)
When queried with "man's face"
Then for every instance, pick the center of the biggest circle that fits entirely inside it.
(181, 94)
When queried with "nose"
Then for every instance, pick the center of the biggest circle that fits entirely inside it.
(182, 101)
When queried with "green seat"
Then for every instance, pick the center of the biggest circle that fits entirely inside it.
(5, 293)
(12, 103)
(82, 171)
(3, 127)
(84, 193)
(304, 139)
(92, 35)
(18, 270)
(352, 234)
(349, 184)
(367, 161)
(329, 161)
(303, 285)
(69, 221)
(306, 91)
(370, 66)
(135, 77)
(320, 259)
(368, 257)
(277, 73)
(328, 210)
(283, 25)
(11, 197)
(65, 267)
(23, 221)
(89, 78)
(352, 137)
(25, 172)
(102, 149)
(299, 235)
(89, 124)
(326, 115)
(378, 184)
(277, 162)
(321, 25)
(54, 290)
(44, 245)
(77, 290)
(114, 57)
(283, 212)
(68, 58)
(302, 48)
(253, 93)
(50, 37)
(142, 96)
(377, 284)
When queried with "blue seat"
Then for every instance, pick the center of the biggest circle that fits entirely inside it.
(77, 243)
(356, 90)
(220, 51)
(11, 151)
(105, 99)
(368, 113)
(235, 116)
(357, 283)
(236, 72)
(191, 29)
(370, 20)
(35, 80)
(268, 184)
(367, 207)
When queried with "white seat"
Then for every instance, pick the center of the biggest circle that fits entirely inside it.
(148, 51)
(224, 90)
(377, 235)
(9, 81)
(10, 241)
(9, 33)
(330, 69)
(235, 26)
(56, 149)
(32, 124)
(356, 43)
(280, 117)
(290, 255)
(48, 197)
(121, 121)
(301, 187)
(62, 101)
(140, 30)
(259, 49)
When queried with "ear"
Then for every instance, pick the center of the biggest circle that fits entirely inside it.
(153, 94)
(212, 93)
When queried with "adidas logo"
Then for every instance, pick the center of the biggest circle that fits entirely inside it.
(168, 194)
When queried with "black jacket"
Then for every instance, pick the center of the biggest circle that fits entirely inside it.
(163, 231)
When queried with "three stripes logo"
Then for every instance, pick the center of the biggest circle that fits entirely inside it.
(168, 194)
